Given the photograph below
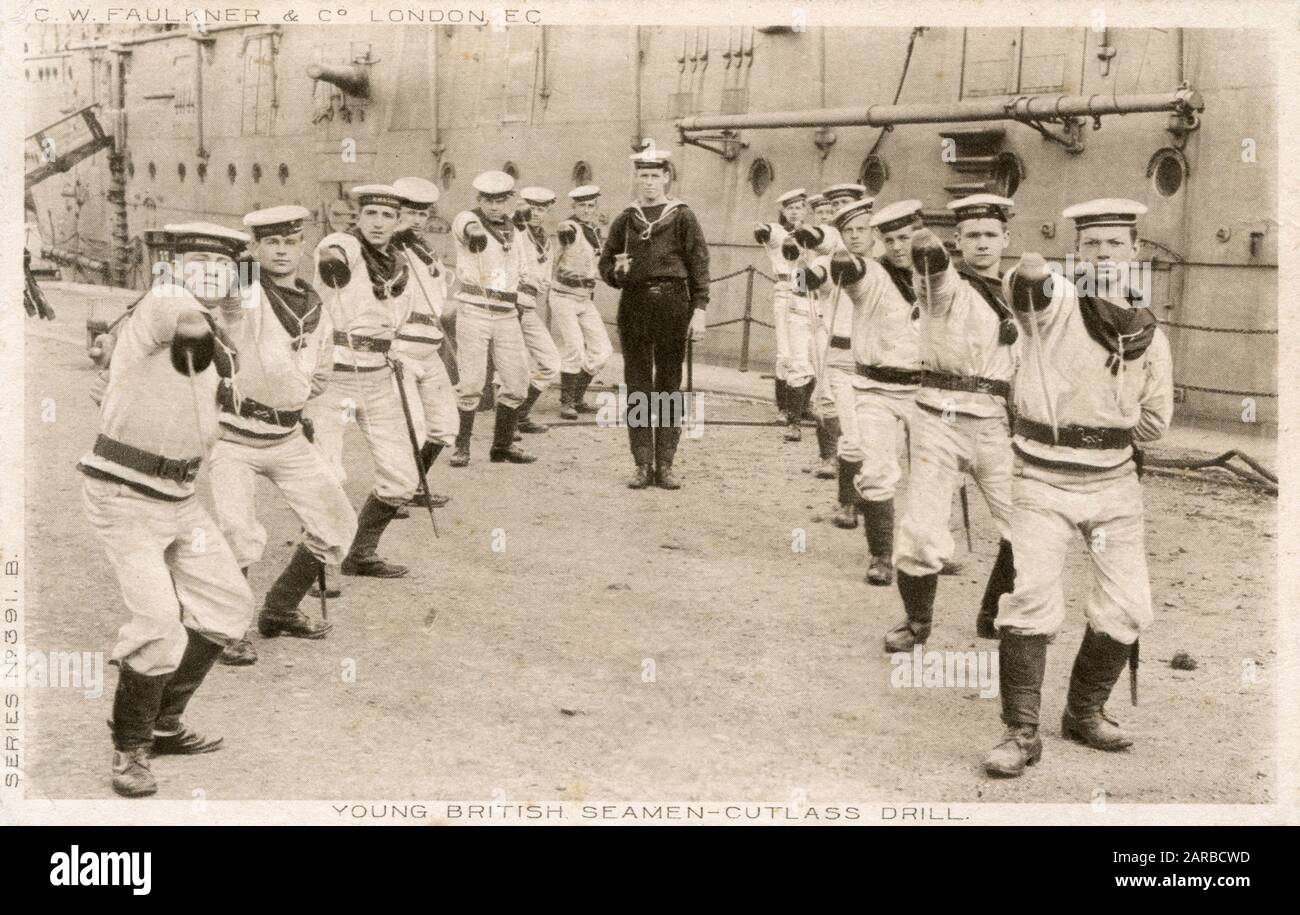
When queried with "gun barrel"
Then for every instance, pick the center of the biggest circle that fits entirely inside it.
(352, 79)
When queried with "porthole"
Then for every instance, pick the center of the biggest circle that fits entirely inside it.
(761, 175)
(257, 172)
(873, 175)
(231, 172)
(448, 175)
(511, 169)
(1167, 171)
(1008, 172)
(582, 173)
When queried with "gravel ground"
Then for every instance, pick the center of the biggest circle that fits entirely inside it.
(648, 645)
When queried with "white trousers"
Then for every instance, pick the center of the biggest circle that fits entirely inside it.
(579, 333)
(175, 571)
(942, 450)
(877, 413)
(476, 330)
(543, 356)
(304, 478)
(794, 320)
(369, 402)
(432, 398)
(1048, 516)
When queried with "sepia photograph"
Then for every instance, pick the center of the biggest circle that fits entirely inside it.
(591, 414)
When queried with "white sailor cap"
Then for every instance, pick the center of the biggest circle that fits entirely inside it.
(1105, 211)
(896, 215)
(537, 195)
(848, 189)
(416, 193)
(282, 220)
(651, 157)
(817, 200)
(586, 192)
(981, 206)
(494, 184)
(852, 210)
(383, 195)
(790, 197)
(206, 236)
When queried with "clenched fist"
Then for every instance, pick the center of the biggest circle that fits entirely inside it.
(928, 254)
(846, 268)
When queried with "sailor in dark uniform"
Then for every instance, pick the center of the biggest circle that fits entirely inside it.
(656, 254)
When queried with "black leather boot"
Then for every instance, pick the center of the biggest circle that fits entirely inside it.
(1097, 667)
(504, 449)
(917, 592)
(135, 710)
(665, 452)
(428, 455)
(1002, 580)
(796, 403)
(280, 614)
(170, 736)
(361, 558)
(847, 516)
(525, 424)
(460, 457)
(782, 390)
(1022, 659)
(568, 381)
(878, 523)
(828, 437)
(580, 384)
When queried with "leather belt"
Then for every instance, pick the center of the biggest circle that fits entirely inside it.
(841, 342)
(146, 462)
(419, 317)
(576, 284)
(889, 375)
(345, 367)
(360, 344)
(252, 409)
(528, 289)
(972, 384)
(1096, 437)
(471, 289)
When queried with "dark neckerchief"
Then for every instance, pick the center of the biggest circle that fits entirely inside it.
(503, 230)
(297, 309)
(990, 291)
(388, 274)
(902, 280)
(1117, 329)
(538, 234)
(410, 241)
(593, 236)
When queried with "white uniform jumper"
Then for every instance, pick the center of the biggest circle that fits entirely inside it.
(969, 350)
(429, 390)
(488, 295)
(359, 387)
(1086, 485)
(176, 571)
(543, 357)
(279, 369)
(579, 329)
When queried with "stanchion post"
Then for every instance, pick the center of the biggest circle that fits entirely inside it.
(749, 316)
